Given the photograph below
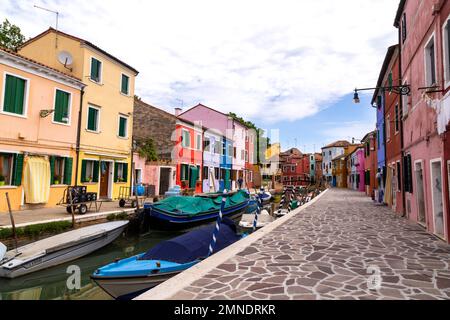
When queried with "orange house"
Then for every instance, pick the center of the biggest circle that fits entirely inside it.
(39, 111)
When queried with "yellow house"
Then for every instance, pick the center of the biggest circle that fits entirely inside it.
(105, 137)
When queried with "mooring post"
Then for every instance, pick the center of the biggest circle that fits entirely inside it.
(12, 221)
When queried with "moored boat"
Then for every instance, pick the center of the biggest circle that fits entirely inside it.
(59, 249)
(264, 218)
(183, 212)
(127, 278)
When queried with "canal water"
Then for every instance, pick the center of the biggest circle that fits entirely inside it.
(50, 284)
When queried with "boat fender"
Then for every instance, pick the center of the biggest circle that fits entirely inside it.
(3, 250)
(158, 264)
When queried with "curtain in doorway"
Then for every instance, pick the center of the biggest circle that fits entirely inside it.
(36, 179)
(388, 186)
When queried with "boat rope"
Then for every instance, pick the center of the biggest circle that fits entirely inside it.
(283, 199)
(257, 212)
(218, 222)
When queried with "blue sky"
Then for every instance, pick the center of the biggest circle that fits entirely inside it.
(285, 64)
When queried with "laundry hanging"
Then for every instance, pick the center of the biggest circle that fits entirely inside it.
(36, 179)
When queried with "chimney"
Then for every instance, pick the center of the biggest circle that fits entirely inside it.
(178, 111)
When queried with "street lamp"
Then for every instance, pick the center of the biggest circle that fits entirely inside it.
(403, 90)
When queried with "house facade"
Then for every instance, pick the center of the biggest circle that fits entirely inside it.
(424, 31)
(370, 163)
(357, 170)
(295, 168)
(104, 155)
(212, 150)
(339, 171)
(38, 132)
(154, 126)
(330, 152)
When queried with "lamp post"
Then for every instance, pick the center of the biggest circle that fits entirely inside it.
(403, 90)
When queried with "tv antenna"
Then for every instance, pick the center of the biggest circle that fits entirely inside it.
(57, 18)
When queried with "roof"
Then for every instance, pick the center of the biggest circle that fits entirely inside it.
(340, 143)
(339, 157)
(367, 135)
(137, 100)
(41, 65)
(398, 16)
(216, 111)
(387, 61)
(82, 41)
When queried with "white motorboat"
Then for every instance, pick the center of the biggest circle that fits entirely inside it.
(264, 218)
(58, 249)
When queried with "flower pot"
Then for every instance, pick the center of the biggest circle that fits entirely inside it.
(56, 182)
(2, 183)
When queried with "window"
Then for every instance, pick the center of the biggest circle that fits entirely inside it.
(216, 173)
(198, 140)
(405, 100)
(96, 70)
(185, 139)
(217, 147)
(6, 169)
(230, 150)
(120, 172)
(138, 175)
(184, 173)
(312, 167)
(397, 119)
(246, 156)
(399, 177)
(206, 144)
(206, 173)
(430, 65)
(404, 31)
(407, 173)
(125, 85)
(93, 119)
(446, 45)
(15, 90)
(57, 170)
(89, 171)
(243, 155)
(123, 127)
(62, 107)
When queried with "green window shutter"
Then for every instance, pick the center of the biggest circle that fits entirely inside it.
(61, 106)
(95, 174)
(116, 170)
(125, 84)
(92, 119)
(18, 169)
(14, 95)
(122, 127)
(125, 172)
(95, 70)
(83, 171)
(68, 171)
(52, 169)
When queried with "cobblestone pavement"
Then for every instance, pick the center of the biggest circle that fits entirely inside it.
(325, 251)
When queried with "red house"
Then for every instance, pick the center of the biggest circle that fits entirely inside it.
(188, 155)
(295, 168)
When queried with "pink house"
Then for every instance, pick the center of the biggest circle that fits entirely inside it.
(357, 174)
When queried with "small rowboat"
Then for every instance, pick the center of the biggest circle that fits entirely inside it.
(264, 218)
(127, 278)
(58, 249)
(184, 212)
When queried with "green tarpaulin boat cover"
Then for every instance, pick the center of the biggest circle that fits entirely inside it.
(196, 205)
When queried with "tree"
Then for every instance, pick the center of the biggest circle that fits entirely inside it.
(11, 36)
(147, 150)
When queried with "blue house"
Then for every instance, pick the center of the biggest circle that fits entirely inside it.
(381, 146)
(226, 164)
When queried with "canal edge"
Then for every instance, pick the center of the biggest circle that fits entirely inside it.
(171, 287)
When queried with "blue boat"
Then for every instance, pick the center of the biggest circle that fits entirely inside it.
(127, 278)
(183, 212)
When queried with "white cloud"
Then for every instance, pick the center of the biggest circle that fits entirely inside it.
(347, 130)
(265, 60)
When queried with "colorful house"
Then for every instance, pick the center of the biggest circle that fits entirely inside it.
(424, 31)
(212, 150)
(38, 132)
(188, 155)
(370, 162)
(239, 134)
(250, 174)
(330, 152)
(104, 155)
(295, 168)
(357, 172)
(339, 171)
(154, 126)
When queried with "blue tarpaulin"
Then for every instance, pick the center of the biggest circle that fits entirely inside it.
(193, 245)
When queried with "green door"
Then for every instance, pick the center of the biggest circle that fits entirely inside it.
(227, 180)
(193, 177)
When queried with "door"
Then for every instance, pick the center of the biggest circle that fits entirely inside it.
(421, 217)
(438, 205)
(164, 180)
(227, 179)
(104, 179)
(193, 177)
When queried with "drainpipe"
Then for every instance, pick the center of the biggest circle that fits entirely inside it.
(402, 142)
(80, 113)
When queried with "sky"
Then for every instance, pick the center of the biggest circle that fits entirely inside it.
(288, 66)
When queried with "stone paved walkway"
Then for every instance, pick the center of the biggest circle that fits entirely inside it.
(325, 252)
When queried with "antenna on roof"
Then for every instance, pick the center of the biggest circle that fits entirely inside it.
(57, 18)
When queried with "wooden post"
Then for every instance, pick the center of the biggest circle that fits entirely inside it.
(69, 189)
(12, 220)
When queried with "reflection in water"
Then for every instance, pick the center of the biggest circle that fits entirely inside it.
(51, 283)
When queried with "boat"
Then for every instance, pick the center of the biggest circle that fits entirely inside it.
(125, 279)
(264, 218)
(58, 249)
(184, 212)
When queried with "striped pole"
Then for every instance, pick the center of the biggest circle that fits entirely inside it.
(291, 201)
(283, 199)
(219, 220)
(257, 212)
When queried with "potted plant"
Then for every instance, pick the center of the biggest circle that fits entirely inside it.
(2, 180)
(90, 179)
(57, 179)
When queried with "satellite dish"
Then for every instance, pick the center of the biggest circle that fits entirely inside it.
(65, 58)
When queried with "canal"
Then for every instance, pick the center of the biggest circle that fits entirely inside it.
(50, 284)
